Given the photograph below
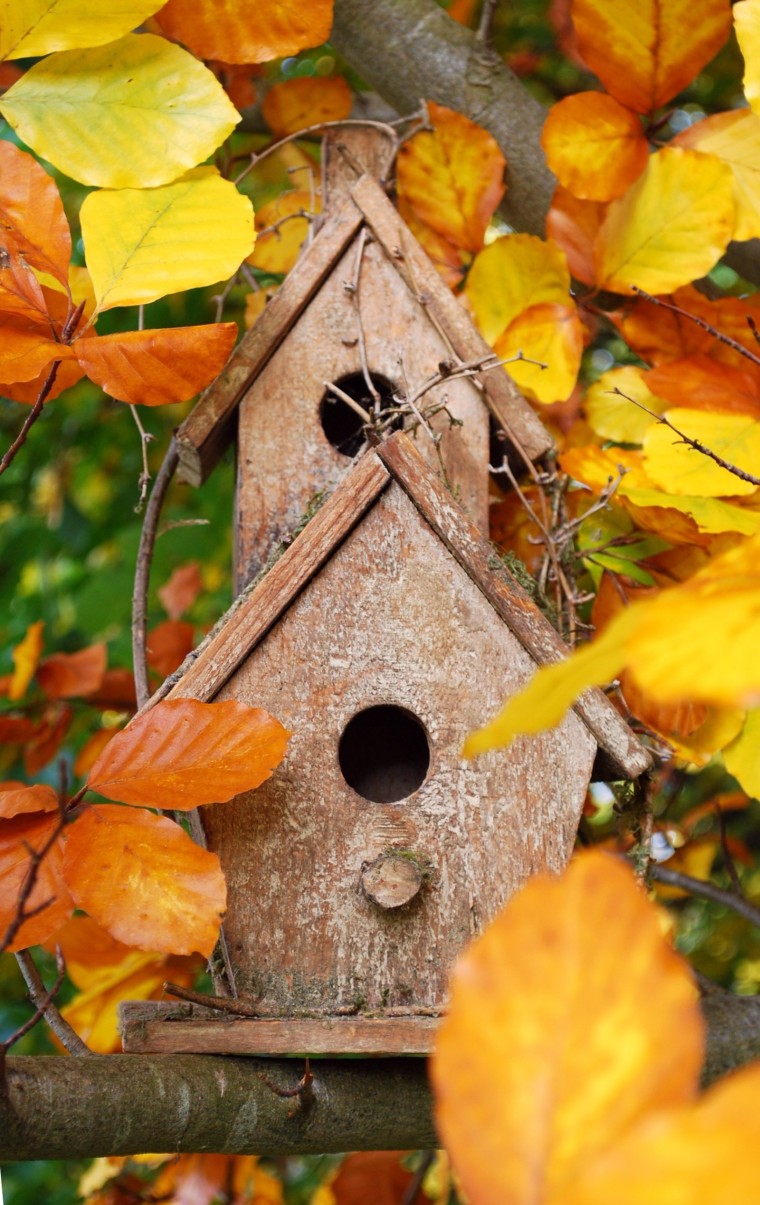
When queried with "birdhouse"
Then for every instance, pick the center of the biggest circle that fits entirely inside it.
(384, 632)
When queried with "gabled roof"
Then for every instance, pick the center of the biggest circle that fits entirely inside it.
(206, 432)
(255, 612)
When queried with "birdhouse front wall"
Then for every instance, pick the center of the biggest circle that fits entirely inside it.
(284, 455)
(393, 621)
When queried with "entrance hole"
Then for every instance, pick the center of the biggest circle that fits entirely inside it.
(384, 753)
(343, 426)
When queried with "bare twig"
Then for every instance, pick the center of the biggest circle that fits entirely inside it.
(386, 128)
(364, 415)
(303, 1091)
(144, 479)
(727, 859)
(31, 418)
(352, 288)
(706, 326)
(43, 999)
(412, 1192)
(707, 891)
(485, 28)
(238, 1007)
(36, 858)
(142, 572)
(39, 1012)
(742, 474)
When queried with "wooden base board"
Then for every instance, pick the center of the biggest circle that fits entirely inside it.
(159, 1028)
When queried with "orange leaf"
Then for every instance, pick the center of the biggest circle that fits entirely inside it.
(183, 753)
(702, 383)
(181, 590)
(48, 739)
(16, 729)
(31, 213)
(197, 1179)
(17, 798)
(168, 645)
(452, 177)
(595, 147)
(117, 691)
(227, 29)
(645, 51)
(306, 101)
(574, 224)
(92, 749)
(25, 658)
(549, 334)
(538, 1007)
(157, 367)
(375, 1176)
(18, 838)
(27, 392)
(282, 227)
(66, 675)
(143, 879)
(26, 349)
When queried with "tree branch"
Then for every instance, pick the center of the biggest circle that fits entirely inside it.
(142, 572)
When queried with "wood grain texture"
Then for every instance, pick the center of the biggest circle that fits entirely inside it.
(146, 1029)
(628, 756)
(209, 428)
(247, 622)
(511, 411)
(350, 153)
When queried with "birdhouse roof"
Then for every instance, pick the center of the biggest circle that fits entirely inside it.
(207, 431)
(246, 624)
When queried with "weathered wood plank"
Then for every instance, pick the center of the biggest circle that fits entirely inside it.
(145, 1029)
(208, 429)
(509, 599)
(513, 414)
(246, 623)
(352, 152)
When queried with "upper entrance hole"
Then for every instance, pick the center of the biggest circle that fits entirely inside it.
(384, 753)
(344, 426)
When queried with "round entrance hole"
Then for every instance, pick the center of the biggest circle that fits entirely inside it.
(384, 753)
(342, 425)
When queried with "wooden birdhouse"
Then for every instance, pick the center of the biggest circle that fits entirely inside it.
(385, 632)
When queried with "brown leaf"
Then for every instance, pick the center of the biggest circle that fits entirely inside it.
(18, 837)
(375, 1176)
(69, 675)
(17, 798)
(181, 590)
(50, 736)
(183, 753)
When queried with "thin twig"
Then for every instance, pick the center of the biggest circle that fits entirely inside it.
(701, 322)
(36, 858)
(727, 859)
(144, 479)
(142, 572)
(239, 1008)
(31, 418)
(318, 128)
(352, 288)
(485, 28)
(707, 891)
(742, 474)
(42, 999)
(39, 1011)
(410, 1196)
(345, 397)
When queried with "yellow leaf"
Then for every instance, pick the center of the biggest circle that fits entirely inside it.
(282, 225)
(671, 226)
(554, 688)
(680, 469)
(512, 274)
(550, 334)
(31, 28)
(595, 147)
(711, 515)
(574, 1055)
(135, 113)
(735, 138)
(142, 244)
(747, 26)
(25, 657)
(452, 176)
(614, 417)
(232, 31)
(741, 758)
(645, 51)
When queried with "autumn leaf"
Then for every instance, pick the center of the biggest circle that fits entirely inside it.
(512, 274)
(734, 137)
(227, 32)
(92, 749)
(673, 224)
(306, 101)
(678, 468)
(282, 227)
(48, 738)
(181, 590)
(135, 113)
(157, 367)
(142, 878)
(68, 675)
(168, 645)
(182, 753)
(25, 658)
(17, 798)
(594, 145)
(615, 417)
(574, 225)
(36, 27)
(747, 26)
(19, 839)
(452, 177)
(545, 1121)
(740, 756)
(645, 51)
(141, 244)
(26, 349)
(376, 1176)
(703, 383)
(551, 335)
(33, 221)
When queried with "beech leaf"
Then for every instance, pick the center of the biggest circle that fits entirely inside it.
(594, 145)
(306, 101)
(20, 836)
(33, 221)
(182, 753)
(32, 28)
(230, 32)
(66, 675)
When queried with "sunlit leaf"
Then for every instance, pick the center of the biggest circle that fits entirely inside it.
(671, 226)
(92, 749)
(168, 645)
(595, 147)
(574, 225)
(703, 383)
(26, 349)
(710, 515)
(614, 417)
(741, 755)
(549, 334)
(143, 243)
(678, 468)
(19, 838)
(546, 1118)
(66, 675)
(645, 51)
(134, 113)
(16, 798)
(282, 226)
(512, 274)
(183, 753)
(231, 32)
(452, 176)
(306, 101)
(31, 212)
(142, 878)
(31, 28)
(157, 367)
(747, 26)
(181, 590)
(25, 656)
(735, 138)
